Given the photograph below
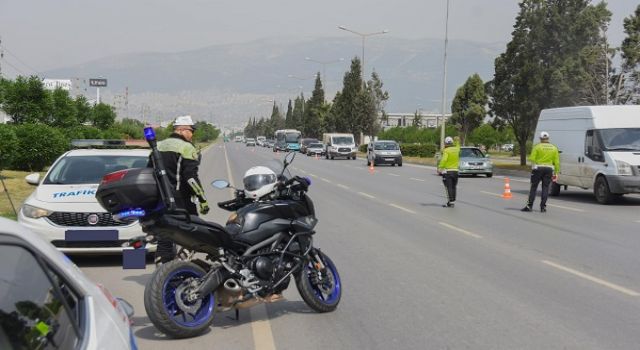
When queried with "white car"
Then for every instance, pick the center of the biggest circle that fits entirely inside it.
(63, 209)
(46, 302)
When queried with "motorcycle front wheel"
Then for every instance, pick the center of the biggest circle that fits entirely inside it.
(166, 303)
(320, 288)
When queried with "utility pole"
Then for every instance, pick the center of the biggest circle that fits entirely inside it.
(1, 57)
(444, 80)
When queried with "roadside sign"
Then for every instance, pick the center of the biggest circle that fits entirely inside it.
(98, 82)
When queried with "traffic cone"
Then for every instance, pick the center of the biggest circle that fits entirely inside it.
(507, 189)
(317, 156)
(371, 170)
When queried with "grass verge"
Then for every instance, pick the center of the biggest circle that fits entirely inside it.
(18, 190)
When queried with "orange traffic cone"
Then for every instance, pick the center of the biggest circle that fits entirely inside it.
(507, 189)
(371, 170)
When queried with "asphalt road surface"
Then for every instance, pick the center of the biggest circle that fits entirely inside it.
(415, 275)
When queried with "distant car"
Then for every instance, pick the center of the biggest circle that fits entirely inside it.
(250, 142)
(474, 162)
(507, 147)
(384, 152)
(46, 302)
(63, 208)
(315, 149)
(306, 142)
(280, 146)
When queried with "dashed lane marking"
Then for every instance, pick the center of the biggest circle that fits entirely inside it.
(343, 186)
(366, 195)
(402, 208)
(392, 174)
(471, 234)
(593, 279)
(413, 178)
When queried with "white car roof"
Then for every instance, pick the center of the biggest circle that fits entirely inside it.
(108, 152)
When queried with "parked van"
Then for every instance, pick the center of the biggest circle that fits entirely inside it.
(340, 145)
(599, 148)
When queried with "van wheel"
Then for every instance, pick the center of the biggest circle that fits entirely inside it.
(331, 157)
(602, 192)
(555, 189)
(489, 174)
(400, 163)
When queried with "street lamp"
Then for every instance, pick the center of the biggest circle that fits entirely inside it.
(363, 36)
(444, 79)
(324, 66)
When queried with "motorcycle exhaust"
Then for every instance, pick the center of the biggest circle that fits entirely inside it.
(229, 294)
(212, 281)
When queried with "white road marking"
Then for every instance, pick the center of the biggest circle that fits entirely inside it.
(262, 335)
(323, 179)
(491, 193)
(260, 326)
(366, 195)
(391, 174)
(343, 186)
(402, 208)
(314, 175)
(593, 279)
(413, 178)
(471, 234)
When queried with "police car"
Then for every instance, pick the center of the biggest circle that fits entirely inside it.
(63, 208)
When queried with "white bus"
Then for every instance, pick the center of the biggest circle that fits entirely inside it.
(287, 140)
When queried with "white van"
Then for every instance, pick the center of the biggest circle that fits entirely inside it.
(340, 145)
(599, 148)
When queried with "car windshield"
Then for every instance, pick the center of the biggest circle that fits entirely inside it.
(90, 169)
(621, 139)
(471, 153)
(343, 140)
(388, 146)
(315, 145)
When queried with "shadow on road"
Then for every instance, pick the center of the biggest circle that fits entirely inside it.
(584, 197)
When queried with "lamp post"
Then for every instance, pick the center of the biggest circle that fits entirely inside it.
(363, 36)
(444, 79)
(324, 66)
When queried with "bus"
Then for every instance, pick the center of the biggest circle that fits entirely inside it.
(287, 140)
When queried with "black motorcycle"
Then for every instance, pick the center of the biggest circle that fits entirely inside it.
(249, 261)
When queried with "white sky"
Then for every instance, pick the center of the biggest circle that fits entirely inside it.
(43, 34)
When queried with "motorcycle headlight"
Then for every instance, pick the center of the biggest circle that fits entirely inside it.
(624, 168)
(34, 212)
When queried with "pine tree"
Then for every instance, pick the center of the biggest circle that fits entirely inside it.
(627, 83)
(288, 120)
(468, 106)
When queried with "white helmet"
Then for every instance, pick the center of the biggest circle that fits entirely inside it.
(448, 140)
(544, 135)
(258, 181)
(184, 120)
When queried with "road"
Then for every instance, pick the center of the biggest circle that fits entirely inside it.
(482, 275)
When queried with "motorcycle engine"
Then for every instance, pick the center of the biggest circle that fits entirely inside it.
(263, 267)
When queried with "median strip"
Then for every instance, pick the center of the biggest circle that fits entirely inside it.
(593, 279)
(471, 234)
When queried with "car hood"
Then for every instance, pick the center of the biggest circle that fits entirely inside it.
(473, 159)
(633, 158)
(66, 193)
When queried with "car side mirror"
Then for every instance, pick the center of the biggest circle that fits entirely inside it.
(33, 179)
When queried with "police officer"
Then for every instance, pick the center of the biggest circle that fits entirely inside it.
(448, 168)
(181, 161)
(545, 161)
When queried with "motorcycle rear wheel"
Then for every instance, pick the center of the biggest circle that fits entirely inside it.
(320, 295)
(166, 311)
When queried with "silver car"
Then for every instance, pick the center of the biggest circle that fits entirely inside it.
(474, 162)
(46, 302)
(384, 152)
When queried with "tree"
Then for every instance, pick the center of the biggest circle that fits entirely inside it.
(83, 109)
(288, 120)
(378, 99)
(63, 111)
(417, 119)
(39, 145)
(315, 111)
(8, 146)
(277, 121)
(468, 106)
(627, 83)
(103, 116)
(348, 117)
(484, 135)
(26, 100)
(544, 64)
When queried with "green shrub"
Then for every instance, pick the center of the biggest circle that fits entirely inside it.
(91, 132)
(8, 146)
(427, 150)
(363, 148)
(38, 146)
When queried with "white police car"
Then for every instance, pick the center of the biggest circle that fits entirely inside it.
(46, 302)
(64, 210)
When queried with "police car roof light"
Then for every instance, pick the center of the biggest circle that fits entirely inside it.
(88, 143)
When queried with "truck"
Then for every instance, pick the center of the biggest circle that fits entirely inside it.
(599, 148)
(339, 145)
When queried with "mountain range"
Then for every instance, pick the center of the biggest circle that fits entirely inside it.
(228, 84)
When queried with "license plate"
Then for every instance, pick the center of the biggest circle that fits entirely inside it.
(389, 159)
(90, 235)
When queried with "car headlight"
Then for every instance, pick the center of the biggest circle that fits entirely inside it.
(465, 164)
(34, 212)
(624, 168)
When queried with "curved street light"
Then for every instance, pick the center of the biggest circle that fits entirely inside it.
(324, 65)
(363, 36)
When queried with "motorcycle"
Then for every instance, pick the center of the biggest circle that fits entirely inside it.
(249, 261)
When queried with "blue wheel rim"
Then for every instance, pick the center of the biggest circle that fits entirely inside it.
(174, 312)
(323, 297)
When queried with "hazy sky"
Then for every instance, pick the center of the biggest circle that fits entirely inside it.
(44, 34)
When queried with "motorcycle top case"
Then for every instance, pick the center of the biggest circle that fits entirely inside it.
(136, 189)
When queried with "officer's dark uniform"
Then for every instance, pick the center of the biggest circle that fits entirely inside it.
(181, 162)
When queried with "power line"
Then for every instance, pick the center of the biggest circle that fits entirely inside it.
(21, 61)
(15, 68)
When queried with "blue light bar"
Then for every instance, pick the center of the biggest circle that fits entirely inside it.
(149, 134)
(131, 213)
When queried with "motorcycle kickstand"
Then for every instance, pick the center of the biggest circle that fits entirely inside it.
(237, 318)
